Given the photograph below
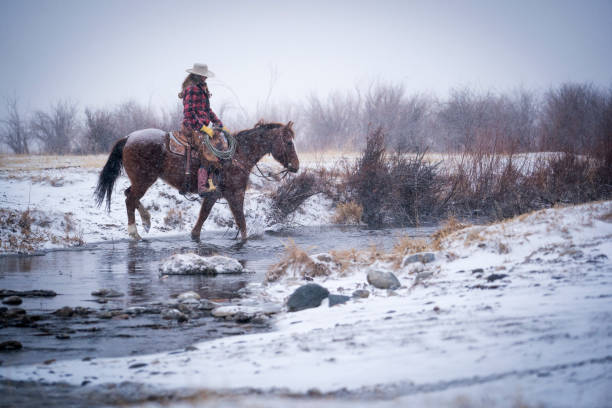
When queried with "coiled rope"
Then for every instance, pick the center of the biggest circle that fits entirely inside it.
(222, 154)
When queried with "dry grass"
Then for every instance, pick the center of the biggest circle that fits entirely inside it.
(26, 231)
(348, 213)
(41, 162)
(174, 218)
(296, 260)
(448, 227)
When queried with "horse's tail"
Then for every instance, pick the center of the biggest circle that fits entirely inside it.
(109, 174)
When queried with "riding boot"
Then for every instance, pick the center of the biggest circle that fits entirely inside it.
(205, 183)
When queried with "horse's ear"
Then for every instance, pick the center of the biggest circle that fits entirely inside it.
(260, 123)
(289, 125)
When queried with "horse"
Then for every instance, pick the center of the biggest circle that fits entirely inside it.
(145, 157)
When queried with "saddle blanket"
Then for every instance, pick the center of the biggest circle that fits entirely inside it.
(177, 146)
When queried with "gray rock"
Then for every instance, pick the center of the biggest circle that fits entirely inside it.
(382, 279)
(10, 345)
(206, 304)
(65, 311)
(188, 296)
(337, 300)
(12, 300)
(307, 296)
(495, 276)
(174, 314)
(423, 257)
(421, 276)
(107, 293)
(361, 293)
(135, 310)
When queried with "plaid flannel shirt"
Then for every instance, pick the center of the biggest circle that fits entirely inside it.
(196, 109)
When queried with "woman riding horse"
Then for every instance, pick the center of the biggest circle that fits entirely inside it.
(197, 115)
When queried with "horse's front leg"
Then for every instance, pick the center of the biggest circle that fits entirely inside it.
(236, 205)
(207, 205)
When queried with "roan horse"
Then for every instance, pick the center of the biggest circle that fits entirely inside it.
(145, 157)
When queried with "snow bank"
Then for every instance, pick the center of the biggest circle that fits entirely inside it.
(516, 311)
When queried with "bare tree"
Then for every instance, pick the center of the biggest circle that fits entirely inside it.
(100, 131)
(57, 130)
(14, 132)
(573, 117)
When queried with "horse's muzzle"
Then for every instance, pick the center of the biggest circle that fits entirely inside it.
(292, 168)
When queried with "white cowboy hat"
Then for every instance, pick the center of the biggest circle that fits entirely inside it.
(201, 69)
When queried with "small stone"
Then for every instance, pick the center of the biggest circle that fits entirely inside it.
(190, 302)
(206, 304)
(109, 293)
(173, 314)
(62, 336)
(65, 311)
(135, 310)
(12, 300)
(11, 345)
(191, 295)
(495, 276)
(15, 313)
(191, 348)
(47, 362)
(421, 276)
(138, 365)
(307, 296)
(478, 270)
(423, 257)
(337, 300)
(361, 293)
(242, 317)
(383, 279)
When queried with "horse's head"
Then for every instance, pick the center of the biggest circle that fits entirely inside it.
(283, 148)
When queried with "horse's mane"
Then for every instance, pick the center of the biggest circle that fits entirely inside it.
(261, 125)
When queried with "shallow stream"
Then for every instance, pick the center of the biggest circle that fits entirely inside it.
(132, 269)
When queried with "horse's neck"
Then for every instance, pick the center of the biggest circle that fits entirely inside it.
(252, 151)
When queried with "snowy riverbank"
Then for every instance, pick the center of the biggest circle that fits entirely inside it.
(48, 203)
(512, 313)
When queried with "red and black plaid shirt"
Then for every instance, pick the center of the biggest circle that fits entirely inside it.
(196, 108)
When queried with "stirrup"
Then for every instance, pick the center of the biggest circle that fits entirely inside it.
(211, 186)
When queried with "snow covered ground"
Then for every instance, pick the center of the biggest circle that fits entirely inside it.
(57, 194)
(512, 314)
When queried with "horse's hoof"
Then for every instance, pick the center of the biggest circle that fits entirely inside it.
(195, 237)
(146, 226)
(133, 233)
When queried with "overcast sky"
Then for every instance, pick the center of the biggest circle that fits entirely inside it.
(100, 53)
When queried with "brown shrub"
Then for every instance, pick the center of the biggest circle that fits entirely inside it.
(348, 213)
(174, 218)
(297, 260)
(448, 227)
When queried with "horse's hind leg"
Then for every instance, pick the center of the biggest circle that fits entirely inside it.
(133, 194)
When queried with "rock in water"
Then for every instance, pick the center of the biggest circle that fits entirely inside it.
(10, 345)
(12, 300)
(106, 293)
(306, 297)
(193, 264)
(382, 279)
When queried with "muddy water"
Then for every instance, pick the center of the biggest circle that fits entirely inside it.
(132, 269)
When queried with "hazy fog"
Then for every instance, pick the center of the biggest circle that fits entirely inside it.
(98, 53)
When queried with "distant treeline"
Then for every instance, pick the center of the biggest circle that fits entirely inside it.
(572, 117)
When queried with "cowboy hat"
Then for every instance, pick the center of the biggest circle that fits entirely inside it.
(201, 69)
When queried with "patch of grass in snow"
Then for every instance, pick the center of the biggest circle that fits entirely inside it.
(27, 231)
